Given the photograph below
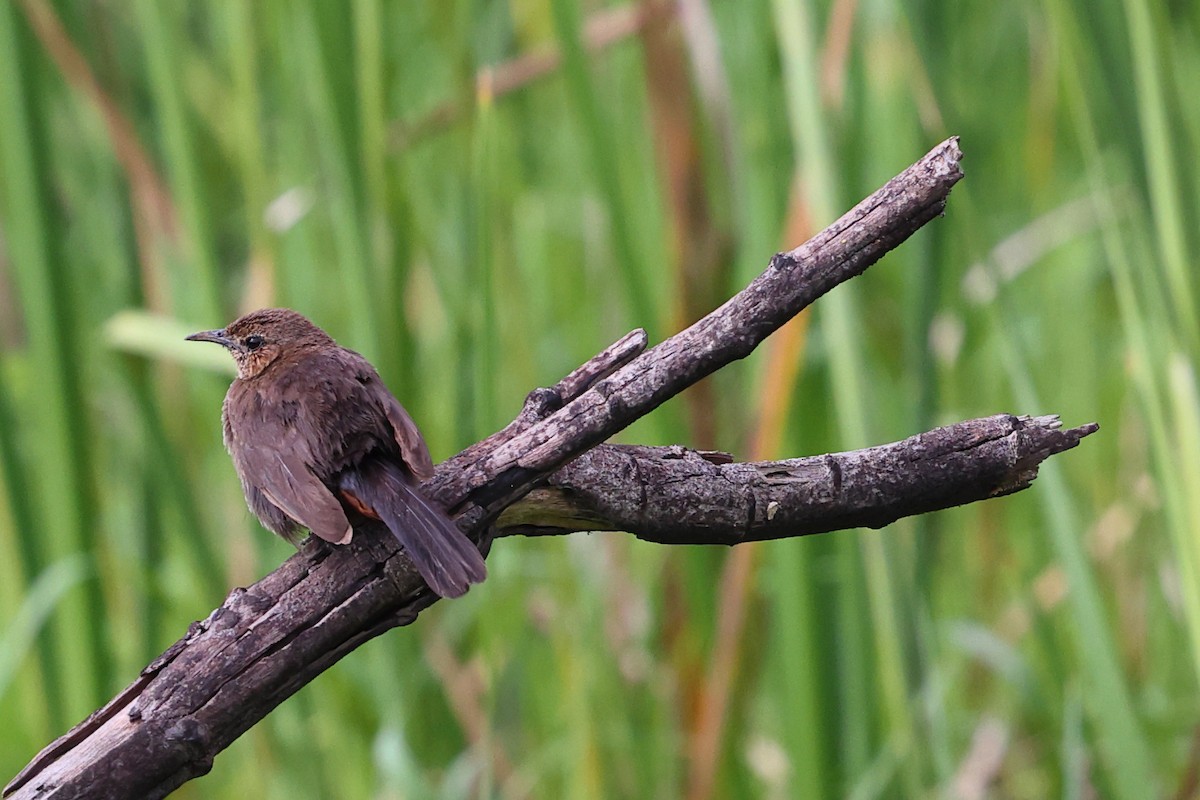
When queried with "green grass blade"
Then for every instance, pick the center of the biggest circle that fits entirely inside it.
(597, 132)
(40, 271)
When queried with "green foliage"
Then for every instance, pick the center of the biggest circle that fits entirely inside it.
(164, 166)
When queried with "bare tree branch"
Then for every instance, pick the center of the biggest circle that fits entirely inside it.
(672, 495)
(270, 639)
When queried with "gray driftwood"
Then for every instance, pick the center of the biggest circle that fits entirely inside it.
(268, 640)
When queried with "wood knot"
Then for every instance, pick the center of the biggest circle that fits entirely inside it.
(783, 261)
(542, 402)
(189, 733)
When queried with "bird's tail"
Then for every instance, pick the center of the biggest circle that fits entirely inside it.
(447, 560)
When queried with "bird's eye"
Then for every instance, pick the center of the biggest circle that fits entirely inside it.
(254, 342)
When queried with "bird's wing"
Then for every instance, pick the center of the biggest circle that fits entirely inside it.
(412, 445)
(372, 394)
(275, 461)
(287, 482)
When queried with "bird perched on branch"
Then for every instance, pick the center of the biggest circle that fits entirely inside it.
(320, 443)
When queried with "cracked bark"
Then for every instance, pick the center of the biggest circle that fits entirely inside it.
(268, 640)
(673, 495)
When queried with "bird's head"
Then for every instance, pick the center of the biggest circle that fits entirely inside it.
(259, 338)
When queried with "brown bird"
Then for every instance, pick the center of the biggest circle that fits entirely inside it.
(320, 443)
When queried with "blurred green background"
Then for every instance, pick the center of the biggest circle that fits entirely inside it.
(479, 196)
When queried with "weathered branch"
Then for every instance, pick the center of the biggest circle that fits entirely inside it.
(268, 640)
(672, 495)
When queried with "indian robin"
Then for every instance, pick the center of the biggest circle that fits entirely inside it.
(320, 443)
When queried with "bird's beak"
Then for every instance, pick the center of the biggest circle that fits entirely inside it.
(217, 336)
